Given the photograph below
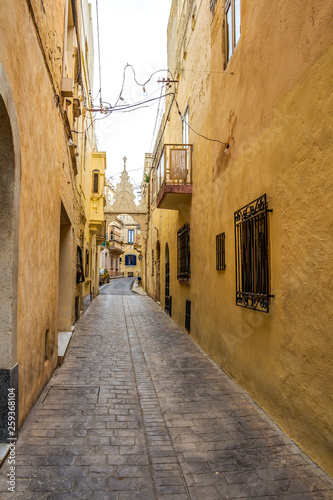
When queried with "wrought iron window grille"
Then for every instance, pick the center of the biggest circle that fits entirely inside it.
(220, 252)
(252, 257)
(183, 253)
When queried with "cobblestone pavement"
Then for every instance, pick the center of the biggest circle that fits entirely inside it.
(138, 411)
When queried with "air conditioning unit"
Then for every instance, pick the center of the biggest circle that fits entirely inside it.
(67, 87)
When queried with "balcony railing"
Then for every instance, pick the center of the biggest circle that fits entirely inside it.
(174, 175)
(115, 245)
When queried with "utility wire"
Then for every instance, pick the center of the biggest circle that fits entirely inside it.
(145, 103)
(201, 135)
(151, 76)
(99, 53)
(158, 110)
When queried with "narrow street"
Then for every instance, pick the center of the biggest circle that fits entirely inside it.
(138, 411)
(121, 286)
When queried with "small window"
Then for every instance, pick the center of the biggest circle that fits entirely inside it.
(220, 252)
(183, 253)
(152, 263)
(130, 260)
(232, 11)
(251, 239)
(95, 181)
(130, 236)
(188, 316)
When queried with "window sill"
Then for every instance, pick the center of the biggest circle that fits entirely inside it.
(184, 282)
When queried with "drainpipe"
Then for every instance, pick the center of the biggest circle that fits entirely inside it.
(65, 39)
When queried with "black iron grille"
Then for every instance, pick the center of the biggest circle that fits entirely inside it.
(251, 245)
(183, 252)
(220, 252)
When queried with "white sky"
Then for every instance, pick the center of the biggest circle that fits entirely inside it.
(133, 32)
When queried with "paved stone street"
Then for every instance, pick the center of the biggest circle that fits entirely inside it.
(138, 411)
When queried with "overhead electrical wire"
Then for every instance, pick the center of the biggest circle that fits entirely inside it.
(151, 76)
(122, 109)
(127, 108)
(158, 110)
(99, 53)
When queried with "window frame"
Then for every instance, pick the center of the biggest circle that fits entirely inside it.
(230, 6)
(95, 175)
(127, 260)
(185, 126)
(130, 236)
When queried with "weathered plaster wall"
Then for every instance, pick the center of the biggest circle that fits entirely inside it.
(275, 99)
(46, 179)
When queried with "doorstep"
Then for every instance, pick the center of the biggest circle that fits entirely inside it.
(63, 342)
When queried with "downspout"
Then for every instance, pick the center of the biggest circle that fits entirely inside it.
(65, 39)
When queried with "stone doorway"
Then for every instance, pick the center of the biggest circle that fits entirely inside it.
(9, 230)
(65, 273)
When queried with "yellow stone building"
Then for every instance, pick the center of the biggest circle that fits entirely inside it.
(239, 247)
(52, 178)
(130, 264)
(122, 212)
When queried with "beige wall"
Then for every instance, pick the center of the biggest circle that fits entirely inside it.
(275, 98)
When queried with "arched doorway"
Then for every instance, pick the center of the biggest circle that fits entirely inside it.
(168, 300)
(9, 230)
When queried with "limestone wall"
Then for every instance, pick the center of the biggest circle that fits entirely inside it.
(274, 97)
(54, 197)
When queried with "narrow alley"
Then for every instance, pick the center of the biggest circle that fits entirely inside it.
(137, 410)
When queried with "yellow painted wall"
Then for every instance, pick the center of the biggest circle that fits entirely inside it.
(275, 98)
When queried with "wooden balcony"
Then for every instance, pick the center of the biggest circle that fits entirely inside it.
(174, 176)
